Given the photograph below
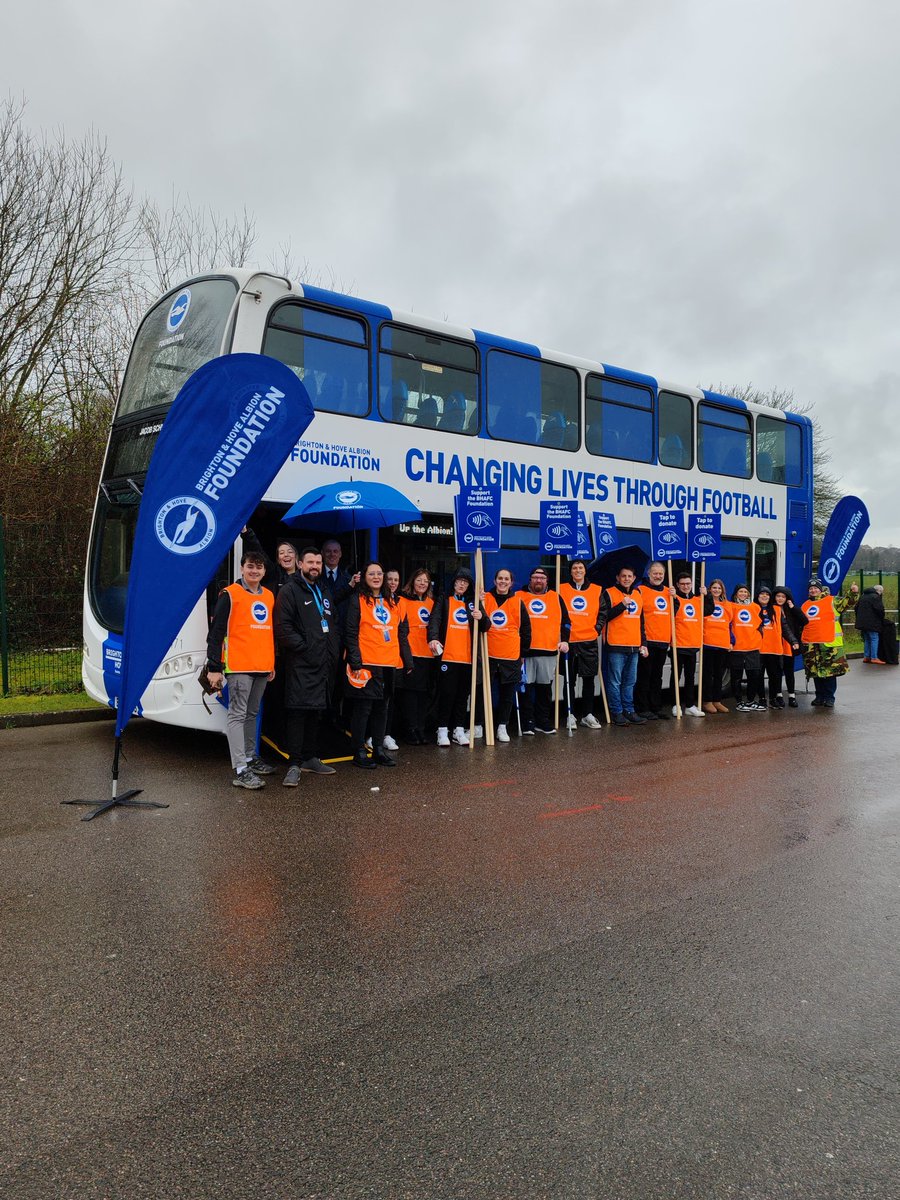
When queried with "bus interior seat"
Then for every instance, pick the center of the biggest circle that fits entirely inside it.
(593, 439)
(453, 417)
(331, 393)
(427, 413)
(554, 430)
(672, 452)
(570, 440)
(399, 400)
(765, 467)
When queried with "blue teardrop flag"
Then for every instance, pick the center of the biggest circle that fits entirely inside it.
(223, 441)
(843, 537)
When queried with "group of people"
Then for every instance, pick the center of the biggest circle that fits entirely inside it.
(391, 660)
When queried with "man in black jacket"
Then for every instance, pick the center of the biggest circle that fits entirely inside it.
(870, 622)
(307, 637)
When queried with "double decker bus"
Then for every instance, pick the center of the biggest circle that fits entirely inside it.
(427, 406)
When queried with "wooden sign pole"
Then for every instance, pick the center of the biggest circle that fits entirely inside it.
(700, 663)
(556, 679)
(674, 643)
(474, 641)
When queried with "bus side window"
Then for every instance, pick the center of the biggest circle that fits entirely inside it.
(427, 415)
(399, 400)
(554, 431)
(453, 417)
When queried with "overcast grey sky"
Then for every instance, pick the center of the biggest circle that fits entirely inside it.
(705, 190)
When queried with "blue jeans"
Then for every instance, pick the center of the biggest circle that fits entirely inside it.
(621, 670)
(870, 643)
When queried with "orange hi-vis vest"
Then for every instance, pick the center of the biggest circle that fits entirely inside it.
(417, 613)
(772, 640)
(583, 605)
(625, 629)
(657, 614)
(688, 622)
(458, 641)
(546, 619)
(249, 642)
(716, 626)
(745, 625)
(377, 618)
(821, 620)
(504, 636)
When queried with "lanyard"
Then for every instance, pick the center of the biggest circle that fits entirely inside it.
(317, 596)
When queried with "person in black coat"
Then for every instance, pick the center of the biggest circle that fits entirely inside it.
(792, 621)
(308, 640)
(870, 622)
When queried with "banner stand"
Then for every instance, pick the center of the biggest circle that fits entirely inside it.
(116, 801)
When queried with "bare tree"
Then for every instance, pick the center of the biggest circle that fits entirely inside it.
(826, 485)
(184, 240)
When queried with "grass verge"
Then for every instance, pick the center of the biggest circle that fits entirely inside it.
(62, 702)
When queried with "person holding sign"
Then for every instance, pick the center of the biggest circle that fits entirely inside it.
(622, 622)
(716, 646)
(582, 600)
(414, 689)
(508, 637)
(450, 631)
(688, 636)
(746, 630)
(823, 640)
(377, 646)
(550, 625)
(648, 701)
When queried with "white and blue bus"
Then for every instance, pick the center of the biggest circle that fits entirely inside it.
(426, 406)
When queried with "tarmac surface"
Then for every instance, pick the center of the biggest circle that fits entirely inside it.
(638, 963)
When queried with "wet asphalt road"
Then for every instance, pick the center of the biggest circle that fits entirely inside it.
(457, 986)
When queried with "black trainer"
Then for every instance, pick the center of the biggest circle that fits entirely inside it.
(316, 767)
(619, 719)
(361, 759)
(633, 719)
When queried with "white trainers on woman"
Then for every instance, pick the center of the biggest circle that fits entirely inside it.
(502, 735)
(460, 736)
(443, 738)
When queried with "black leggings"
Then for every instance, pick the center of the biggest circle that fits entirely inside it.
(368, 716)
(715, 660)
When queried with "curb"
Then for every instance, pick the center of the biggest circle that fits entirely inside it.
(74, 716)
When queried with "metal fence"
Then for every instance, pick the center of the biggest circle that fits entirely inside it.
(41, 584)
(889, 580)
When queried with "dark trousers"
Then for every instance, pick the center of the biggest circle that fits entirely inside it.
(771, 668)
(536, 706)
(715, 660)
(826, 689)
(648, 688)
(583, 704)
(454, 684)
(687, 669)
(739, 662)
(787, 666)
(368, 717)
(302, 725)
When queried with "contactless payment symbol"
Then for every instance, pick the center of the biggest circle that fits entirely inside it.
(178, 310)
(669, 537)
(607, 539)
(479, 520)
(185, 525)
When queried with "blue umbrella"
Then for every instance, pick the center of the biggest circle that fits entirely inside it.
(346, 507)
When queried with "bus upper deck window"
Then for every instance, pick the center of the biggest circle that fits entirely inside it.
(723, 440)
(427, 380)
(779, 451)
(532, 401)
(618, 418)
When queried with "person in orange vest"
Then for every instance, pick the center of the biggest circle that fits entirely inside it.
(241, 648)
(508, 629)
(376, 646)
(582, 600)
(746, 633)
(792, 622)
(622, 622)
(648, 701)
(823, 640)
(688, 635)
(549, 638)
(415, 689)
(771, 650)
(716, 645)
(450, 629)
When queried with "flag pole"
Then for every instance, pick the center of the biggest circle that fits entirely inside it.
(116, 801)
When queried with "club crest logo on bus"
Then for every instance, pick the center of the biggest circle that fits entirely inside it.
(348, 497)
(185, 525)
(260, 613)
(178, 310)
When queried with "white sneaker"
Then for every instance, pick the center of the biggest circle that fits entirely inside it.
(389, 743)
(590, 722)
(502, 735)
(368, 743)
(571, 721)
(460, 736)
(675, 710)
(442, 737)
(694, 711)
(479, 732)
